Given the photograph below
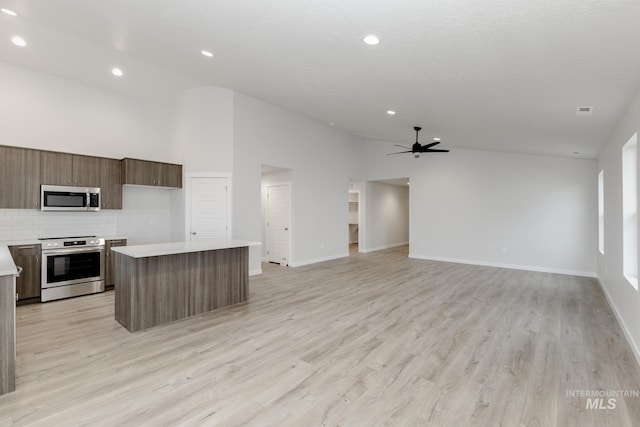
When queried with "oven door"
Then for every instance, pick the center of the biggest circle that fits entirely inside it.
(68, 266)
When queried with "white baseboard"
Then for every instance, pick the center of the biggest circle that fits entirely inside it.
(511, 266)
(317, 260)
(255, 272)
(380, 248)
(623, 325)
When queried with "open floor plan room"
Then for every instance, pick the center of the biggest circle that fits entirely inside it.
(372, 339)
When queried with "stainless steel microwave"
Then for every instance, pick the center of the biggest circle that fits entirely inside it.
(61, 198)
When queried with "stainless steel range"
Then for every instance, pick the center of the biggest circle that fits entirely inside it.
(71, 266)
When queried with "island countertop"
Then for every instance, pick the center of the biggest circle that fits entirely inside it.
(7, 267)
(161, 249)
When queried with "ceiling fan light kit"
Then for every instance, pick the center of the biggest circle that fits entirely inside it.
(418, 148)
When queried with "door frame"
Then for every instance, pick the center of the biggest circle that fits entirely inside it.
(266, 216)
(361, 233)
(187, 200)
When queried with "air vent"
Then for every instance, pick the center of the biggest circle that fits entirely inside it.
(584, 111)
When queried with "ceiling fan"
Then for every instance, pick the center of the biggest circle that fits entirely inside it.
(417, 148)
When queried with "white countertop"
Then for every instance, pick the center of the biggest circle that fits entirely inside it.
(144, 251)
(7, 267)
(21, 242)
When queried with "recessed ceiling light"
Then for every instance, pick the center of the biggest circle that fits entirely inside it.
(117, 72)
(371, 39)
(206, 53)
(584, 111)
(18, 41)
(436, 139)
(391, 112)
(8, 12)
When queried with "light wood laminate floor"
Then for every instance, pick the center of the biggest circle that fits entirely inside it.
(373, 339)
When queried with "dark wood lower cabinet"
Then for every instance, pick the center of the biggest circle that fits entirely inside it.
(110, 272)
(28, 284)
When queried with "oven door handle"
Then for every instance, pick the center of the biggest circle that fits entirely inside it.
(50, 252)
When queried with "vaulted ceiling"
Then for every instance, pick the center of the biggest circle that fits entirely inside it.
(481, 74)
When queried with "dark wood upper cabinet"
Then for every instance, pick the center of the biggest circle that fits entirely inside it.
(86, 171)
(28, 257)
(23, 170)
(20, 178)
(56, 168)
(69, 169)
(144, 172)
(111, 183)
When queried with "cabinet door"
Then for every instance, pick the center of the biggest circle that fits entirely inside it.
(110, 273)
(56, 168)
(20, 178)
(86, 171)
(144, 172)
(110, 184)
(27, 257)
(170, 175)
(139, 172)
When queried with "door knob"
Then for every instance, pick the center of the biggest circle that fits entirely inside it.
(286, 229)
(193, 233)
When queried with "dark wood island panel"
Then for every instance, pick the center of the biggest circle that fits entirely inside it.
(159, 289)
(7, 334)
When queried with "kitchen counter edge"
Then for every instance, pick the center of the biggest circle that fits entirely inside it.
(174, 248)
(7, 266)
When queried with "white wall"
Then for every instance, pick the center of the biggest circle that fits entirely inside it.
(387, 211)
(203, 135)
(624, 299)
(146, 215)
(202, 142)
(511, 210)
(46, 112)
(321, 159)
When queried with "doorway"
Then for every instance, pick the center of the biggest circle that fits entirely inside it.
(276, 213)
(354, 220)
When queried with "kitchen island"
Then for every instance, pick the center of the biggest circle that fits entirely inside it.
(8, 272)
(160, 283)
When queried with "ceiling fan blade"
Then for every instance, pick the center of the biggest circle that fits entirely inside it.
(402, 146)
(430, 145)
(435, 150)
(399, 152)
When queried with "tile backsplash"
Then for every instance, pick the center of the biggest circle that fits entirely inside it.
(19, 224)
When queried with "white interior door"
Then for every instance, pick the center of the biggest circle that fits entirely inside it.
(278, 222)
(209, 208)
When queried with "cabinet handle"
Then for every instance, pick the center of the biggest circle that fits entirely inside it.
(26, 247)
